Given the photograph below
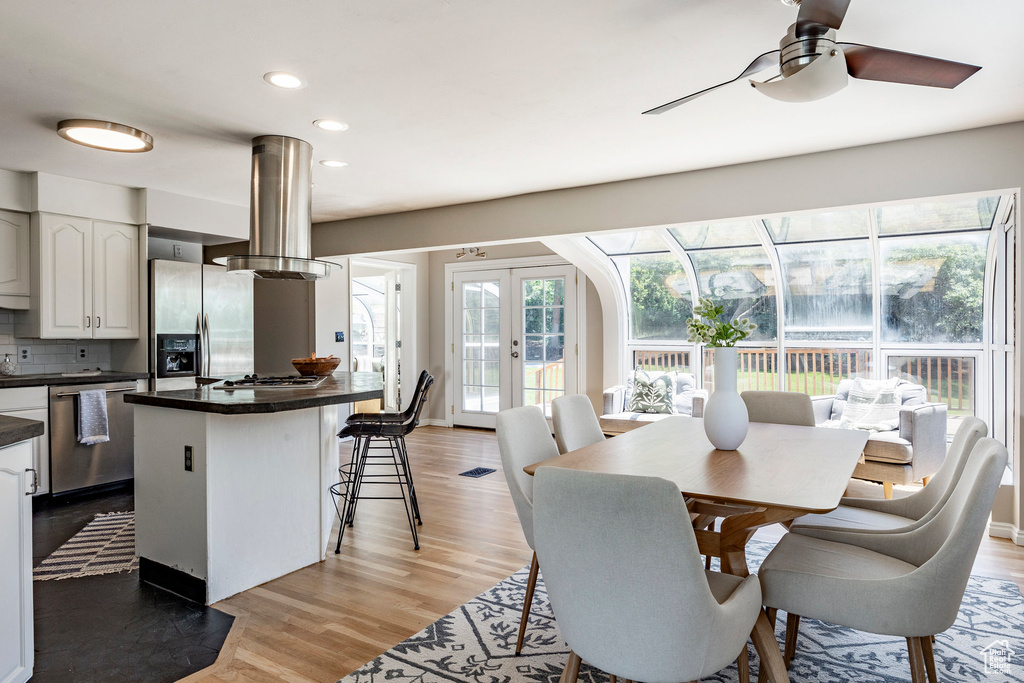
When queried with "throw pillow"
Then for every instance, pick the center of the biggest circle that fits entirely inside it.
(652, 394)
(873, 405)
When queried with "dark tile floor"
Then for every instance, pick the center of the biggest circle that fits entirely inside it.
(112, 627)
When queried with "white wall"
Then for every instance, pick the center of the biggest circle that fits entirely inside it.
(331, 312)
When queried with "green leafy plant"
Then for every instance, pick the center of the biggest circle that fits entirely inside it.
(707, 327)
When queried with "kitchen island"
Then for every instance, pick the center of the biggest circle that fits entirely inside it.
(231, 487)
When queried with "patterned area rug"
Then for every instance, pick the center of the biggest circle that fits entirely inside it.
(105, 546)
(476, 643)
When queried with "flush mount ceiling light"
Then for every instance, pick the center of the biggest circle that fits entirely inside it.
(114, 137)
(333, 163)
(329, 124)
(283, 79)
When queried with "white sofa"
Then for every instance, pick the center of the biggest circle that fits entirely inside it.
(616, 419)
(913, 452)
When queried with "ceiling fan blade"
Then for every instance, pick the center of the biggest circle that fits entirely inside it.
(813, 13)
(879, 64)
(760, 64)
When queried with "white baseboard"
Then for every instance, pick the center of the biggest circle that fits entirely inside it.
(433, 422)
(1006, 530)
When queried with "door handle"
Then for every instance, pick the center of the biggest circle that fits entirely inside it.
(35, 482)
(201, 370)
(515, 354)
(208, 353)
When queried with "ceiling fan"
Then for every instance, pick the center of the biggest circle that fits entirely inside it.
(812, 65)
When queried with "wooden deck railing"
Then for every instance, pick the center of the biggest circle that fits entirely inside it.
(948, 379)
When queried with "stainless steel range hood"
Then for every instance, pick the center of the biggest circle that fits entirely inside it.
(279, 213)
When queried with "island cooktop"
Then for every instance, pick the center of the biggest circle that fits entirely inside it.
(256, 382)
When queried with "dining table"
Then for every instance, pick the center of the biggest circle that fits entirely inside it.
(779, 472)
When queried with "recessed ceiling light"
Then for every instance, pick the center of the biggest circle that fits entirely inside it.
(328, 124)
(114, 137)
(333, 163)
(283, 79)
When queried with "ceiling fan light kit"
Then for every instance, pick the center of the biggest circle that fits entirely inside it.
(812, 65)
(812, 69)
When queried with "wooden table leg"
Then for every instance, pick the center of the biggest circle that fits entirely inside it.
(738, 529)
(772, 667)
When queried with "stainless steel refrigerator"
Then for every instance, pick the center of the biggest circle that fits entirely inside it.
(200, 323)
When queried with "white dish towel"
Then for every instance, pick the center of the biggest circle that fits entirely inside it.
(92, 417)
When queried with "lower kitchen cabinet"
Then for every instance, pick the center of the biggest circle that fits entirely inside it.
(32, 403)
(16, 643)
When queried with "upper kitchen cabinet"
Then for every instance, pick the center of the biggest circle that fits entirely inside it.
(14, 260)
(85, 279)
(115, 280)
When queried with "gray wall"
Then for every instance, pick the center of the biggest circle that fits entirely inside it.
(978, 160)
(283, 324)
(982, 159)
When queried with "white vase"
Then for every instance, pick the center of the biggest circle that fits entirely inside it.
(725, 415)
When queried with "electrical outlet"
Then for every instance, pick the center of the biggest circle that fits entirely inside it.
(24, 354)
(188, 458)
(177, 251)
(83, 352)
(339, 336)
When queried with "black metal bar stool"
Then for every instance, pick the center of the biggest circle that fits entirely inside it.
(368, 429)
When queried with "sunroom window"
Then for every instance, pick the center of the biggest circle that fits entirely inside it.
(889, 291)
(655, 283)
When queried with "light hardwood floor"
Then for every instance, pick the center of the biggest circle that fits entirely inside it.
(320, 623)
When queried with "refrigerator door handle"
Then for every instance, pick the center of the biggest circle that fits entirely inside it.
(207, 351)
(201, 370)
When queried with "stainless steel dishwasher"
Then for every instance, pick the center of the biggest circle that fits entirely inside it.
(75, 466)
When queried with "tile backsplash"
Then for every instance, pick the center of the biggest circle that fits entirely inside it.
(51, 355)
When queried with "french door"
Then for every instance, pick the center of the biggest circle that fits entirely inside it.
(514, 340)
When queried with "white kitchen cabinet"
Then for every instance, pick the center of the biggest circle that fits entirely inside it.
(31, 403)
(115, 280)
(15, 282)
(16, 639)
(86, 277)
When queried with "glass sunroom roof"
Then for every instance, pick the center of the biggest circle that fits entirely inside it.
(712, 236)
(942, 216)
(639, 242)
(817, 227)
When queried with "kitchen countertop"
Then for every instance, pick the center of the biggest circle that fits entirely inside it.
(341, 387)
(56, 379)
(15, 429)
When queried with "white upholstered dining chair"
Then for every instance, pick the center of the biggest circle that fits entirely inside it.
(575, 422)
(907, 584)
(625, 580)
(779, 407)
(898, 514)
(524, 439)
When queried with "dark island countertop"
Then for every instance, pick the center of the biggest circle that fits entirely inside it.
(56, 379)
(341, 387)
(15, 429)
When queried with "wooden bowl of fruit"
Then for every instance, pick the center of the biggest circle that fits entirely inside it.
(314, 366)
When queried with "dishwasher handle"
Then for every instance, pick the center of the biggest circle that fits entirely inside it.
(65, 394)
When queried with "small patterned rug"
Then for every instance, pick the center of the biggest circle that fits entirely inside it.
(105, 546)
(476, 643)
